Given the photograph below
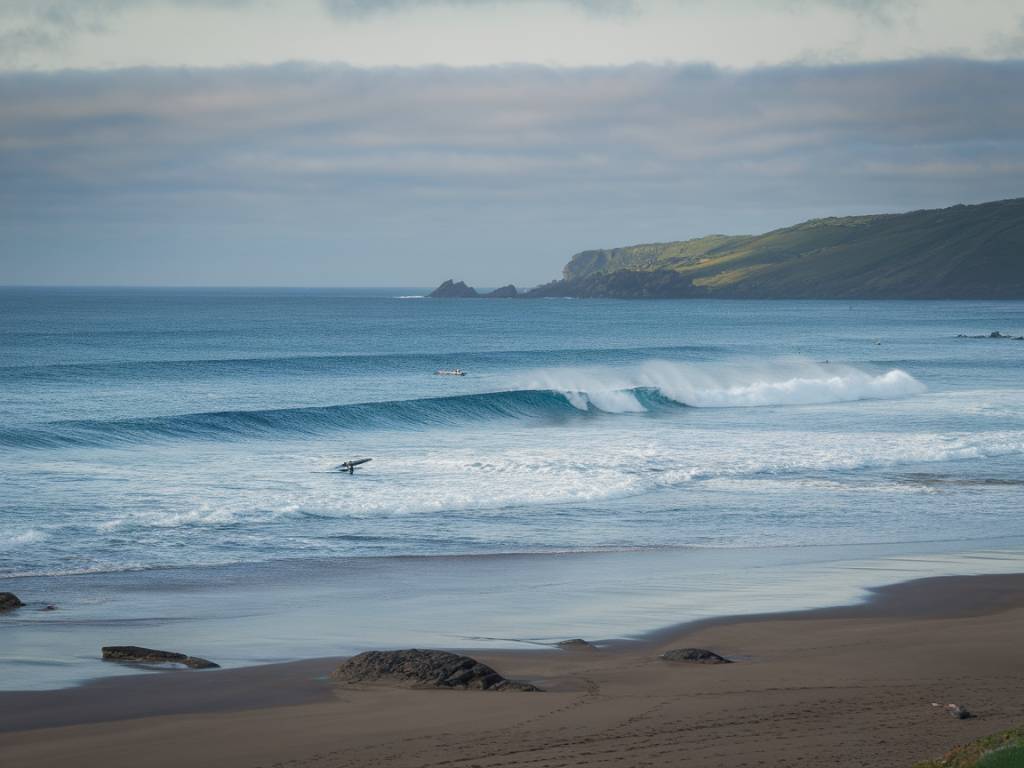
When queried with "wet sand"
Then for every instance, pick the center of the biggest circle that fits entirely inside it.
(846, 686)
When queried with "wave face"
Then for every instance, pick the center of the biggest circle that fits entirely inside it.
(423, 412)
(553, 394)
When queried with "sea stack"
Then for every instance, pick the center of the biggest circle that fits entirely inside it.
(449, 289)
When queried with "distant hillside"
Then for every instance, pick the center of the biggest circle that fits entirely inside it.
(651, 255)
(967, 251)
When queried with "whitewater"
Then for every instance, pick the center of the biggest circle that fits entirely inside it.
(652, 386)
(161, 443)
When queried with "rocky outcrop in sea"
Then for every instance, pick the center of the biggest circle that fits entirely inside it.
(449, 289)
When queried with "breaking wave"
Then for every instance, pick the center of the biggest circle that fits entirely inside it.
(546, 395)
(725, 385)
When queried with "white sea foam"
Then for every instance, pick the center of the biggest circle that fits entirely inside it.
(13, 541)
(722, 385)
(483, 479)
(607, 400)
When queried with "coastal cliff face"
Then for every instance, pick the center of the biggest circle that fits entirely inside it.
(622, 284)
(967, 251)
(648, 257)
(962, 252)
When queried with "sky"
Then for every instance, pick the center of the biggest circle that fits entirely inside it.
(403, 142)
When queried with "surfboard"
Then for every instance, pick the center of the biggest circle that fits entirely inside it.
(345, 466)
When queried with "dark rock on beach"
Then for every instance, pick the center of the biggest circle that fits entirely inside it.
(152, 656)
(449, 289)
(425, 669)
(695, 656)
(576, 644)
(9, 601)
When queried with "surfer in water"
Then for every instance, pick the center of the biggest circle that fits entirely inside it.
(350, 466)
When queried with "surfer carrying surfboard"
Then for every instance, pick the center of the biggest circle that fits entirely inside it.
(350, 466)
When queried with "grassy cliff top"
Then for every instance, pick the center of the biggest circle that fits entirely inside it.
(966, 251)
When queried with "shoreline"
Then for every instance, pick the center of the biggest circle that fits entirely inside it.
(285, 612)
(120, 698)
(286, 563)
(850, 686)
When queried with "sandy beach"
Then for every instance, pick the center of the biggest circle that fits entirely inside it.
(845, 686)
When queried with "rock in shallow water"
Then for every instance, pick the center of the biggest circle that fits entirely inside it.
(576, 644)
(152, 656)
(425, 669)
(9, 601)
(694, 655)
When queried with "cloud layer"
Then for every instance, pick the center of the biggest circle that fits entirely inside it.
(110, 34)
(305, 174)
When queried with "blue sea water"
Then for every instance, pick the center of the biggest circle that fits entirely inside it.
(167, 453)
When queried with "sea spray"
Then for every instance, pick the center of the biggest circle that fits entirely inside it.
(722, 385)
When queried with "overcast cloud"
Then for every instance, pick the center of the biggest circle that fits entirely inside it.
(55, 34)
(302, 174)
(356, 142)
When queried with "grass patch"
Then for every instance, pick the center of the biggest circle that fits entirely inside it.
(1007, 757)
(1001, 750)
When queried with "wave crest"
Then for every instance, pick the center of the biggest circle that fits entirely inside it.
(724, 385)
(553, 394)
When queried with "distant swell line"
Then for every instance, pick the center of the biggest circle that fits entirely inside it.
(421, 363)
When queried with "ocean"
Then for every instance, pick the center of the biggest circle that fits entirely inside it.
(603, 469)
